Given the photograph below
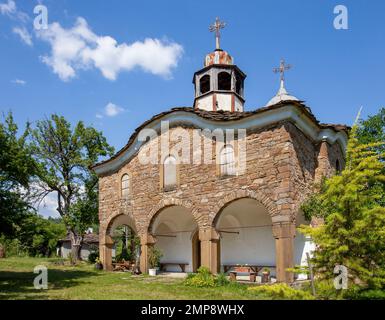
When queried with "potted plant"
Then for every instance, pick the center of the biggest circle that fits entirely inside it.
(265, 275)
(154, 255)
(98, 264)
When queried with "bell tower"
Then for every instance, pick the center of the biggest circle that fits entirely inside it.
(220, 84)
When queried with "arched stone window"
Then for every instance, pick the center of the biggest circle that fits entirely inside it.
(224, 81)
(204, 84)
(169, 173)
(227, 161)
(125, 186)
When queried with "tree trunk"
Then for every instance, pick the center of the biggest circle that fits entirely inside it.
(76, 242)
(132, 245)
(125, 238)
(2, 252)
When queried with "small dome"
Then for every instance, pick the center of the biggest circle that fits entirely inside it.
(218, 57)
(282, 95)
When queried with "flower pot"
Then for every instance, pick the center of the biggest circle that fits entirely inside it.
(152, 272)
(265, 277)
(98, 266)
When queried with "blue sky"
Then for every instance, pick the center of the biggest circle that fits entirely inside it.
(334, 71)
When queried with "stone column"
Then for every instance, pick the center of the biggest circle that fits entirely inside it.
(323, 168)
(105, 249)
(209, 239)
(146, 241)
(284, 233)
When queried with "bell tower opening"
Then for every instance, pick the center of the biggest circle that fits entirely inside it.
(224, 81)
(204, 84)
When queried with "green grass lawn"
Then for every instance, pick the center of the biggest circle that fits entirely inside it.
(84, 282)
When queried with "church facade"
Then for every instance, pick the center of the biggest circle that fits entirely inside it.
(228, 194)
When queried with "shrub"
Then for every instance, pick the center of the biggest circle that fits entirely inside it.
(325, 290)
(13, 247)
(221, 280)
(281, 291)
(203, 278)
(71, 258)
(357, 293)
(93, 256)
(124, 255)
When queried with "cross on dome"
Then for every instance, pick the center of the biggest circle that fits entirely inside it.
(281, 69)
(216, 27)
(282, 94)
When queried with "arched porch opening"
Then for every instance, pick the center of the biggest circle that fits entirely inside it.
(174, 230)
(121, 244)
(246, 236)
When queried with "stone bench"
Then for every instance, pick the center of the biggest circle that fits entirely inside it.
(252, 270)
(233, 275)
(182, 265)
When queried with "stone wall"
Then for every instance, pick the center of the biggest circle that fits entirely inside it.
(281, 168)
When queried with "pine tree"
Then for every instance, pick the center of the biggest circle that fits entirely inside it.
(353, 233)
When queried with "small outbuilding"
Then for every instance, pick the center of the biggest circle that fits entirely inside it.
(90, 244)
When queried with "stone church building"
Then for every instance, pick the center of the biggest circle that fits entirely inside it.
(243, 208)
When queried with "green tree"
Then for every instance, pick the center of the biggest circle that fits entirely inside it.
(64, 156)
(353, 234)
(39, 236)
(16, 169)
(372, 130)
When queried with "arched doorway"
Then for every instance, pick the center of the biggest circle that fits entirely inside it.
(174, 230)
(246, 237)
(121, 243)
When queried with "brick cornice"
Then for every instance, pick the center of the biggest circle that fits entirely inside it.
(290, 111)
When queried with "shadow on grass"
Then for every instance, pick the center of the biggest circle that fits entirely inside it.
(19, 285)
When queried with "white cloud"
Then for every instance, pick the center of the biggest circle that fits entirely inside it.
(79, 48)
(19, 81)
(23, 34)
(8, 8)
(112, 110)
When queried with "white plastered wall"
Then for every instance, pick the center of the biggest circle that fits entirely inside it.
(173, 229)
(302, 246)
(254, 243)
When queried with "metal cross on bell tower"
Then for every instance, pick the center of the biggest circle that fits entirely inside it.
(281, 69)
(216, 27)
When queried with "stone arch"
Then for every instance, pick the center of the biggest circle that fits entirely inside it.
(106, 242)
(169, 202)
(124, 207)
(125, 219)
(245, 193)
(177, 219)
(244, 222)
